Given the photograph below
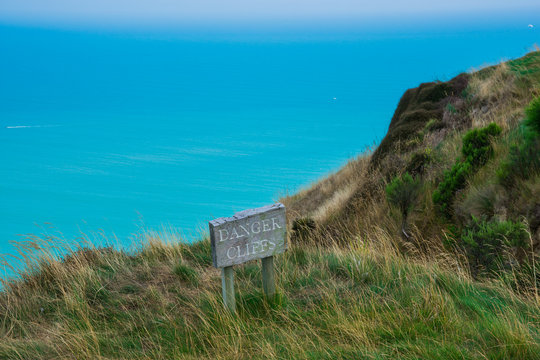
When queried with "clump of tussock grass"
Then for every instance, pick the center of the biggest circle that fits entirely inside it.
(186, 273)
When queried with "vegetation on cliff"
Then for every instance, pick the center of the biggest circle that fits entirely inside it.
(475, 161)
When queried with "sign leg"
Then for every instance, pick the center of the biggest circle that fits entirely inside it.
(269, 284)
(227, 284)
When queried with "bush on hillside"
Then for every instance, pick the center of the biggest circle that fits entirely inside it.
(454, 180)
(533, 115)
(402, 192)
(476, 151)
(489, 245)
(523, 159)
(521, 163)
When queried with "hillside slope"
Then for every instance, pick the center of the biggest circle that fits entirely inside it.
(165, 303)
(426, 248)
(424, 139)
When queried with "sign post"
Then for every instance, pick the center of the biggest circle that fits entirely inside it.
(248, 235)
(269, 284)
(227, 285)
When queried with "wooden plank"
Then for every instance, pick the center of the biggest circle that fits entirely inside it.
(227, 284)
(269, 284)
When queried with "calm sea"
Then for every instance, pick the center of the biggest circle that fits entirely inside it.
(120, 131)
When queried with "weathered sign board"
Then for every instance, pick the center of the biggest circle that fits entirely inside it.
(248, 235)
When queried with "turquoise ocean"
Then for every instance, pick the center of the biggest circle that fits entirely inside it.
(114, 132)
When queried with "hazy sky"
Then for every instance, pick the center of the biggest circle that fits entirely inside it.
(233, 10)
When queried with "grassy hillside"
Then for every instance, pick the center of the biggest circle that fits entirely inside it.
(426, 248)
(165, 303)
(425, 139)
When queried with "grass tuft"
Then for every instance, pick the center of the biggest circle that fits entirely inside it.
(187, 274)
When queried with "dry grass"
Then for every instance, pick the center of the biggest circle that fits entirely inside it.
(362, 301)
(501, 92)
(329, 194)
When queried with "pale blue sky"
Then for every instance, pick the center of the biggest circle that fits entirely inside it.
(178, 11)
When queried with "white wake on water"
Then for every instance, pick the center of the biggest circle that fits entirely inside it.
(29, 126)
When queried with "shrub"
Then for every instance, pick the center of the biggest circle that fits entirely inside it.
(402, 192)
(476, 151)
(522, 162)
(533, 115)
(454, 180)
(523, 159)
(490, 244)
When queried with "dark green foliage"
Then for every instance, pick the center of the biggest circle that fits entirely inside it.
(186, 273)
(338, 266)
(454, 180)
(402, 192)
(533, 115)
(348, 268)
(249, 270)
(476, 151)
(523, 159)
(522, 162)
(492, 244)
(255, 304)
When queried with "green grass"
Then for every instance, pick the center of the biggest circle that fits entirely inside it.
(527, 66)
(332, 304)
(187, 274)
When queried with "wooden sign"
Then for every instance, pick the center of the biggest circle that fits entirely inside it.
(248, 235)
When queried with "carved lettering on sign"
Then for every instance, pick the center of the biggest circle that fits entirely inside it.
(248, 235)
